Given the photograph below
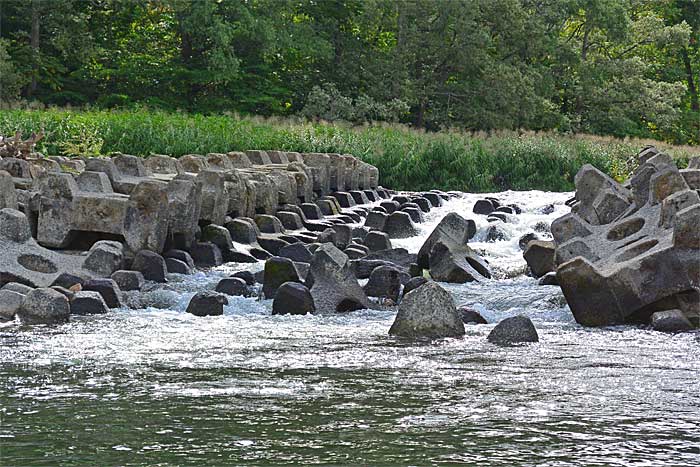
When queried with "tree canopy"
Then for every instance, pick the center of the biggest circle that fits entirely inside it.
(617, 67)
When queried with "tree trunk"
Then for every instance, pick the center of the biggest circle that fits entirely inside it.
(692, 85)
(34, 43)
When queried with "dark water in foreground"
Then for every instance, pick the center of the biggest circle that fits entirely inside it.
(159, 387)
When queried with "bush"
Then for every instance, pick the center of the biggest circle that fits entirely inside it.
(407, 159)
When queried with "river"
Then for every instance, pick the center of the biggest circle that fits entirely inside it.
(156, 386)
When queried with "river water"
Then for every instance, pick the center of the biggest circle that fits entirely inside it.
(156, 386)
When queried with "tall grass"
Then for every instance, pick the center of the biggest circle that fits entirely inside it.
(407, 158)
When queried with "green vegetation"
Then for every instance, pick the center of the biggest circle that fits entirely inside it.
(627, 68)
(407, 159)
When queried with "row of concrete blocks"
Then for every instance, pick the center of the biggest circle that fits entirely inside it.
(161, 201)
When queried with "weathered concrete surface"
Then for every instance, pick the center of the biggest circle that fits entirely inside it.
(23, 260)
(623, 254)
(141, 219)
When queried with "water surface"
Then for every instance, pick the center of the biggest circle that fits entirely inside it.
(156, 386)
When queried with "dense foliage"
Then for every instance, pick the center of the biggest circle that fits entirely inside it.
(617, 67)
(408, 159)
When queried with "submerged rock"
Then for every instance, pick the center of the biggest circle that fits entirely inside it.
(384, 282)
(514, 330)
(234, 286)
(294, 299)
(539, 256)
(427, 312)
(471, 316)
(671, 321)
(87, 303)
(207, 303)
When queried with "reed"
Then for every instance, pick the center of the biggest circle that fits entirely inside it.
(407, 159)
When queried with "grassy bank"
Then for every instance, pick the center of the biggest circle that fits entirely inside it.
(407, 159)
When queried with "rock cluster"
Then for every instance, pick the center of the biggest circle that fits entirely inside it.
(628, 251)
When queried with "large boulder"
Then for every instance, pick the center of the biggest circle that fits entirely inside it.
(514, 330)
(44, 306)
(293, 298)
(539, 255)
(333, 285)
(457, 264)
(453, 230)
(207, 303)
(626, 252)
(427, 312)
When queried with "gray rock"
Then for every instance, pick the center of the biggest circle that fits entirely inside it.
(104, 258)
(470, 316)
(10, 302)
(151, 265)
(671, 321)
(527, 238)
(294, 299)
(207, 303)
(110, 291)
(413, 284)
(233, 286)
(539, 256)
(128, 280)
(483, 206)
(278, 271)
(242, 231)
(548, 279)
(513, 330)
(17, 287)
(334, 287)
(625, 252)
(218, 235)
(427, 312)
(8, 197)
(175, 266)
(400, 225)
(87, 303)
(458, 264)
(23, 260)
(495, 232)
(206, 255)
(384, 282)
(44, 306)
(180, 255)
(67, 280)
(268, 224)
(453, 230)
(247, 276)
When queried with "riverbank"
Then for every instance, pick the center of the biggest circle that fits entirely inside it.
(406, 158)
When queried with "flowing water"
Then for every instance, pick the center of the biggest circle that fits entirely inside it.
(156, 386)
